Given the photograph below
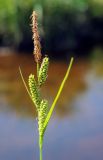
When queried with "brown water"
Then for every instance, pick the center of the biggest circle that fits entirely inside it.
(75, 131)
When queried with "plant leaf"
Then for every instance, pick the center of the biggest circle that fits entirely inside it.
(24, 82)
(58, 94)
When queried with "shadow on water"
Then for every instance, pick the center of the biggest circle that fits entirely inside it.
(76, 129)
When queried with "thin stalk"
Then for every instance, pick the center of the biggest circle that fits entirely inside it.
(40, 153)
(40, 146)
(37, 69)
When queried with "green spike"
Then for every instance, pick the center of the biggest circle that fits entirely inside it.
(43, 71)
(42, 116)
(34, 90)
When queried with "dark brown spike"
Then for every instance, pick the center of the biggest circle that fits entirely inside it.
(36, 38)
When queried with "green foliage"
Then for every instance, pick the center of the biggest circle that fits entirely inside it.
(71, 17)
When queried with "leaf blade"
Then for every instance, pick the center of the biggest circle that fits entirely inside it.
(58, 94)
(24, 82)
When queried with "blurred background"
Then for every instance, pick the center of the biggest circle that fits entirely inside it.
(67, 28)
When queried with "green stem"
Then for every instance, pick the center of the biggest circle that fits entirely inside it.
(41, 153)
(40, 146)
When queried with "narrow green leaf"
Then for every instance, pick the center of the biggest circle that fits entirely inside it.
(24, 83)
(58, 94)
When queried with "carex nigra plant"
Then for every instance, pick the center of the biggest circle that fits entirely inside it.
(35, 84)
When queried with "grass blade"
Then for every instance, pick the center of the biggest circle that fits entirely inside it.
(58, 94)
(24, 82)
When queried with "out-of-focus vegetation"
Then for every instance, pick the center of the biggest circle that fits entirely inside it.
(69, 26)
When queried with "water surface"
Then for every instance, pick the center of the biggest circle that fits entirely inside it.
(76, 128)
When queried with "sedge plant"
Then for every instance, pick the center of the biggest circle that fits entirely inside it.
(35, 84)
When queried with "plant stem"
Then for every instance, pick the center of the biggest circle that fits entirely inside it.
(37, 69)
(40, 146)
(41, 153)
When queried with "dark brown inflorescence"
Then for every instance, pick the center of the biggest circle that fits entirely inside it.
(36, 38)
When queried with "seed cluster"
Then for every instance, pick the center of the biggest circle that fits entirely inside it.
(36, 39)
(34, 90)
(42, 115)
(43, 71)
(34, 87)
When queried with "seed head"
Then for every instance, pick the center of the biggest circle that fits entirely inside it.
(36, 39)
(43, 71)
(42, 115)
(35, 94)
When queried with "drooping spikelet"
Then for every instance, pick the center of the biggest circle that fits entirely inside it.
(36, 39)
(35, 94)
(43, 71)
(42, 115)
